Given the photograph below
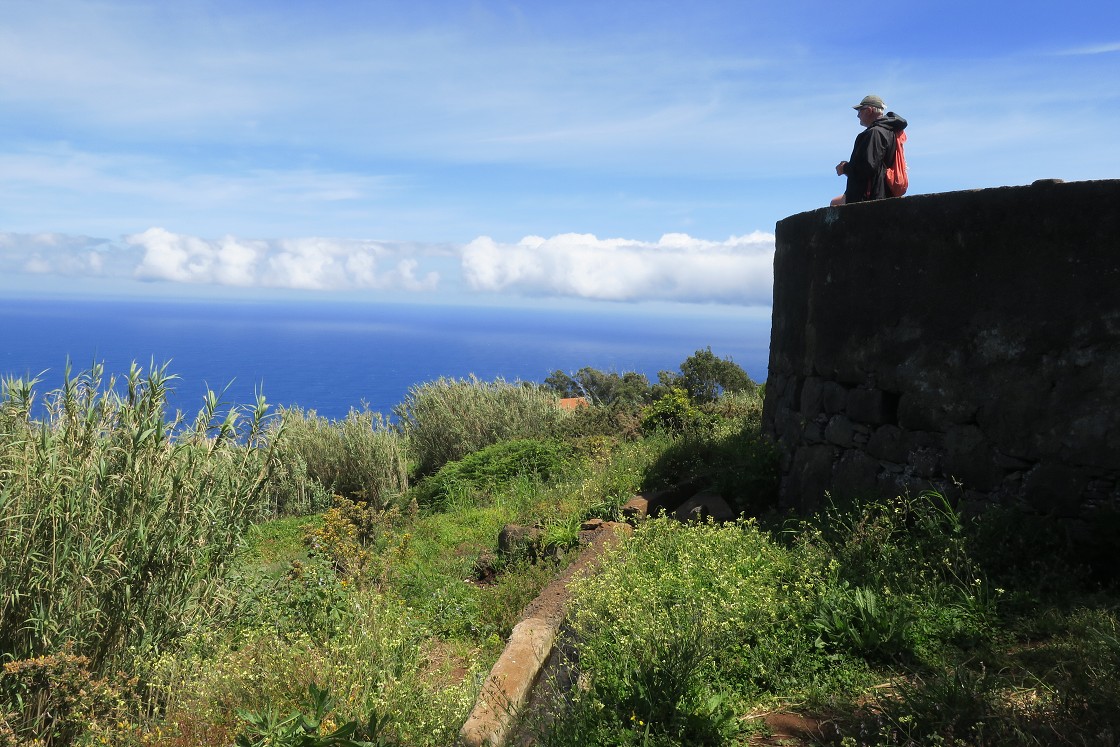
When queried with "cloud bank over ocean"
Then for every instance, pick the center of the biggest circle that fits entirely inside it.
(301, 264)
(676, 268)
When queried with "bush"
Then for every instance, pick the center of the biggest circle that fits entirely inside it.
(731, 454)
(706, 377)
(377, 662)
(360, 457)
(744, 405)
(494, 466)
(615, 421)
(60, 699)
(354, 537)
(601, 388)
(673, 413)
(447, 419)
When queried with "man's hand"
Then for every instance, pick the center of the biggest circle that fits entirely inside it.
(840, 168)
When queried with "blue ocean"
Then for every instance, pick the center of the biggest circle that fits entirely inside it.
(332, 357)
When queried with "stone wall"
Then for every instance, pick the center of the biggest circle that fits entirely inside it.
(967, 342)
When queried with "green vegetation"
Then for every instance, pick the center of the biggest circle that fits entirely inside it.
(600, 387)
(890, 622)
(448, 419)
(705, 377)
(118, 524)
(360, 457)
(253, 579)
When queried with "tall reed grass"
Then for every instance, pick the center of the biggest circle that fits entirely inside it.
(360, 457)
(448, 419)
(116, 519)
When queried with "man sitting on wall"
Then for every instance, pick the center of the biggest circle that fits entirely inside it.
(872, 154)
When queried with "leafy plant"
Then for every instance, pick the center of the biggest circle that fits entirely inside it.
(306, 729)
(681, 614)
(674, 412)
(354, 534)
(613, 421)
(56, 698)
(601, 388)
(862, 622)
(705, 377)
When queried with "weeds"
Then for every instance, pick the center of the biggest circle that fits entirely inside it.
(448, 419)
(861, 622)
(681, 615)
(489, 469)
(56, 697)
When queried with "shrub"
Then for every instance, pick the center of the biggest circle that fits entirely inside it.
(354, 535)
(360, 456)
(447, 419)
(705, 377)
(619, 421)
(744, 405)
(674, 412)
(745, 465)
(740, 463)
(496, 465)
(59, 698)
(601, 388)
(378, 662)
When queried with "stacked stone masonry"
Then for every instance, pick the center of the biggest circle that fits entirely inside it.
(965, 342)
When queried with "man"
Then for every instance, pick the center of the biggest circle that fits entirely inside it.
(872, 154)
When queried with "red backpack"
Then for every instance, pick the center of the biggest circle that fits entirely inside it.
(898, 178)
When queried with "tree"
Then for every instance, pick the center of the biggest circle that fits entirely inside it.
(563, 384)
(601, 388)
(705, 377)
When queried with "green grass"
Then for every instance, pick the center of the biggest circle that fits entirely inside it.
(271, 545)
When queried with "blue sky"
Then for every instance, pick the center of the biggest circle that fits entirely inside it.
(503, 152)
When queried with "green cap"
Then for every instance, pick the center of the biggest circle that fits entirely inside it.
(871, 100)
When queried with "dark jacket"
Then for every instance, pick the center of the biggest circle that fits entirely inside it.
(872, 154)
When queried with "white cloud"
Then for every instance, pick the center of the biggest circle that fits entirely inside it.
(678, 267)
(1093, 49)
(55, 254)
(304, 264)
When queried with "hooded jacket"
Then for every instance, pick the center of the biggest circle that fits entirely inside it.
(872, 154)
